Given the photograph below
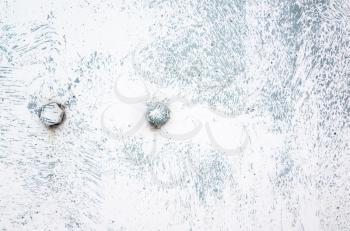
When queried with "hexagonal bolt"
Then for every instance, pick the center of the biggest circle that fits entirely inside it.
(157, 114)
(51, 114)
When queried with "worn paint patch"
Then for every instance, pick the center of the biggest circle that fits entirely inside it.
(273, 76)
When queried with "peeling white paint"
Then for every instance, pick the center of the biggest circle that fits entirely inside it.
(267, 81)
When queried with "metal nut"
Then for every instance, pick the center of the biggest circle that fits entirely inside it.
(157, 114)
(51, 114)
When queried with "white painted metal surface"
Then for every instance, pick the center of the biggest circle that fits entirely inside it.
(258, 137)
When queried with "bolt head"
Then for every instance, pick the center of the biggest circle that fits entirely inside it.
(51, 114)
(157, 114)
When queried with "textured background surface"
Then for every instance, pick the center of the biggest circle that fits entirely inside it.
(279, 69)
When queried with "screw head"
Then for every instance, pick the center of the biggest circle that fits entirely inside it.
(157, 114)
(51, 114)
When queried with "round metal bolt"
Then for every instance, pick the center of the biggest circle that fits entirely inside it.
(157, 114)
(51, 114)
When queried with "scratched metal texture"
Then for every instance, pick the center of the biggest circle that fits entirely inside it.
(280, 69)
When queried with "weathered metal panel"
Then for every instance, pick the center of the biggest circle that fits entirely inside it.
(258, 130)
